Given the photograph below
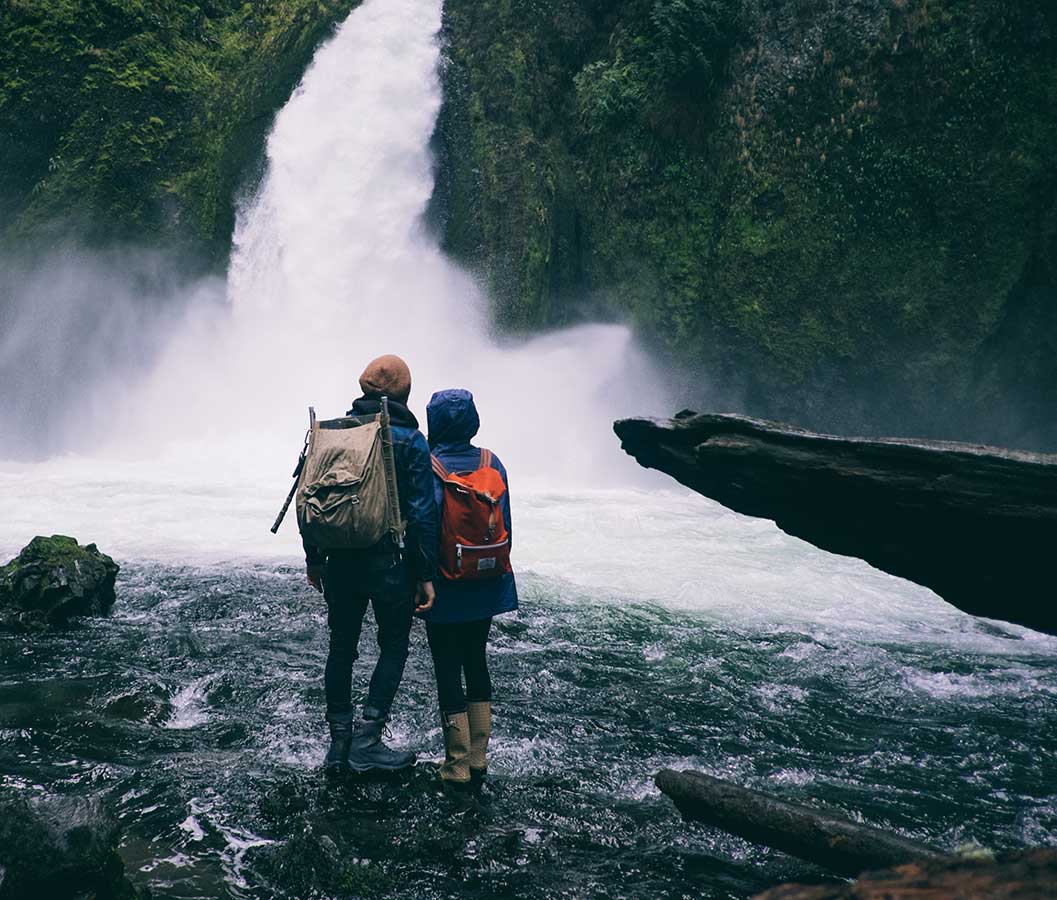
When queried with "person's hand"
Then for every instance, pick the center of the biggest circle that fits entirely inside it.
(424, 596)
(315, 577)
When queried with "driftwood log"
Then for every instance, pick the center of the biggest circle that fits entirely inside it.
(815, 835)
(978, 525)
(1023, 875)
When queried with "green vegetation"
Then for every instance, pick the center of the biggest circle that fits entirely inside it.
(122, 119)
(845, 214)
(57, 550)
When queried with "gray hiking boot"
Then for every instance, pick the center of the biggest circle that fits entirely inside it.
(337, 758)
(367, 752)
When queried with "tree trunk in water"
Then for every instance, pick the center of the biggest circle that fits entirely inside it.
(810, 834)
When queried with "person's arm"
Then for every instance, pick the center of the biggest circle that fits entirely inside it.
(423, 524)
(315, 559)
(504, 504)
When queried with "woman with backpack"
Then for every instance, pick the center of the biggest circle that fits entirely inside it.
(476, 581)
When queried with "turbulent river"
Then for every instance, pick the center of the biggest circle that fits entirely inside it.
(657, 629)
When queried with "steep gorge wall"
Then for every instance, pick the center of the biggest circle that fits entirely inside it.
(841, 214)
(129, 121)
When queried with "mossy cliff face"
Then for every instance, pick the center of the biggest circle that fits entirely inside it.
(844, 214)
(121, 119)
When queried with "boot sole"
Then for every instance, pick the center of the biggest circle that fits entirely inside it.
(363, 770)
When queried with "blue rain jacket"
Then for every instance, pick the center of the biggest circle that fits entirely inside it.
(452, 421)
(418, 505)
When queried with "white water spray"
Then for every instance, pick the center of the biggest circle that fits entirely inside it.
(332, 267)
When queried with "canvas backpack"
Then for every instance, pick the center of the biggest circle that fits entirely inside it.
(347, 492)
(474, 542)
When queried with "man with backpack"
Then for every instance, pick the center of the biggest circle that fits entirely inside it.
(343, 492)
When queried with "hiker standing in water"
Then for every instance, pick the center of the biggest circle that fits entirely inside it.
(476, 581)
(395, 580)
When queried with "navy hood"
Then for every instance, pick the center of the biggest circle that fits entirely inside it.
(452, 417)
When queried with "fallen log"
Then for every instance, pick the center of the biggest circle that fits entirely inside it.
(975, 524)
(818, 836)
(1023, 875)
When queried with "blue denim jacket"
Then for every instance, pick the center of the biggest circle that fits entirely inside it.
(418, 505)
(453, 421)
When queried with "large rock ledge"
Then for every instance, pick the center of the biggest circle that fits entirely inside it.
(978, 525)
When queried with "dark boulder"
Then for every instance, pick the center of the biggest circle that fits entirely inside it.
(975, 524)
(57, 848)
(53, 579)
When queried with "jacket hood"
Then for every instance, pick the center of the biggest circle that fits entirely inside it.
(452, 417)
(371, 406)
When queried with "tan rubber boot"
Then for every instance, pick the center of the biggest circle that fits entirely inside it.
(480, 715)
(456, 767)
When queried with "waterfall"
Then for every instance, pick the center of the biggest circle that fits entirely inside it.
(332, 266)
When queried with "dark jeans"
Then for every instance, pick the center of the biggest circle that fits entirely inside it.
(460, 649)
(351, 581)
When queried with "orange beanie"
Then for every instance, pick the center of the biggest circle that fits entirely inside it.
(387, 375)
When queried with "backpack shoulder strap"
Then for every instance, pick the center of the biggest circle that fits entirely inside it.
(439, 469)
(486, 459)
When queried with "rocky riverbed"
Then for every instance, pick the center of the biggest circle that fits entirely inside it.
(192, 715)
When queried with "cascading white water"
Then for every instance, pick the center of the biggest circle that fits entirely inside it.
(332, 267)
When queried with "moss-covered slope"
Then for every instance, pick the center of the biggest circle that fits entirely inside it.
(843, 213)
(129, 119)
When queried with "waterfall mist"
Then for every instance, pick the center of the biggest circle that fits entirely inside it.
(78, 326)
(331, 267)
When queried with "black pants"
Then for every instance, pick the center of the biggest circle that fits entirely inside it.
(351, 581)
(460, 649)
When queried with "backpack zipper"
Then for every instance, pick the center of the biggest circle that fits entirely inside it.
(460, 547)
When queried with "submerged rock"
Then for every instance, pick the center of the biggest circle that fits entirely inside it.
(53, 579)
(975, 524)
(57, 848)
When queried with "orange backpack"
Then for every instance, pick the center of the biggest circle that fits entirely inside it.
(474, 543)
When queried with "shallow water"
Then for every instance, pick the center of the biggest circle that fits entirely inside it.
(195, 711)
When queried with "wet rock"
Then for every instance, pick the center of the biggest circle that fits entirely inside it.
(975, 524)
(58, 848)
(53, 579)
(312, 864)
(822, 836)
(1024, 874)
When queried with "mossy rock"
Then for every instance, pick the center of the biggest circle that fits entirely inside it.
(52, 580)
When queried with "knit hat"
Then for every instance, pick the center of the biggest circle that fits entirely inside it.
(389, 376)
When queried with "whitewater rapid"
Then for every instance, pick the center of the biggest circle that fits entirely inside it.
(332, 266)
